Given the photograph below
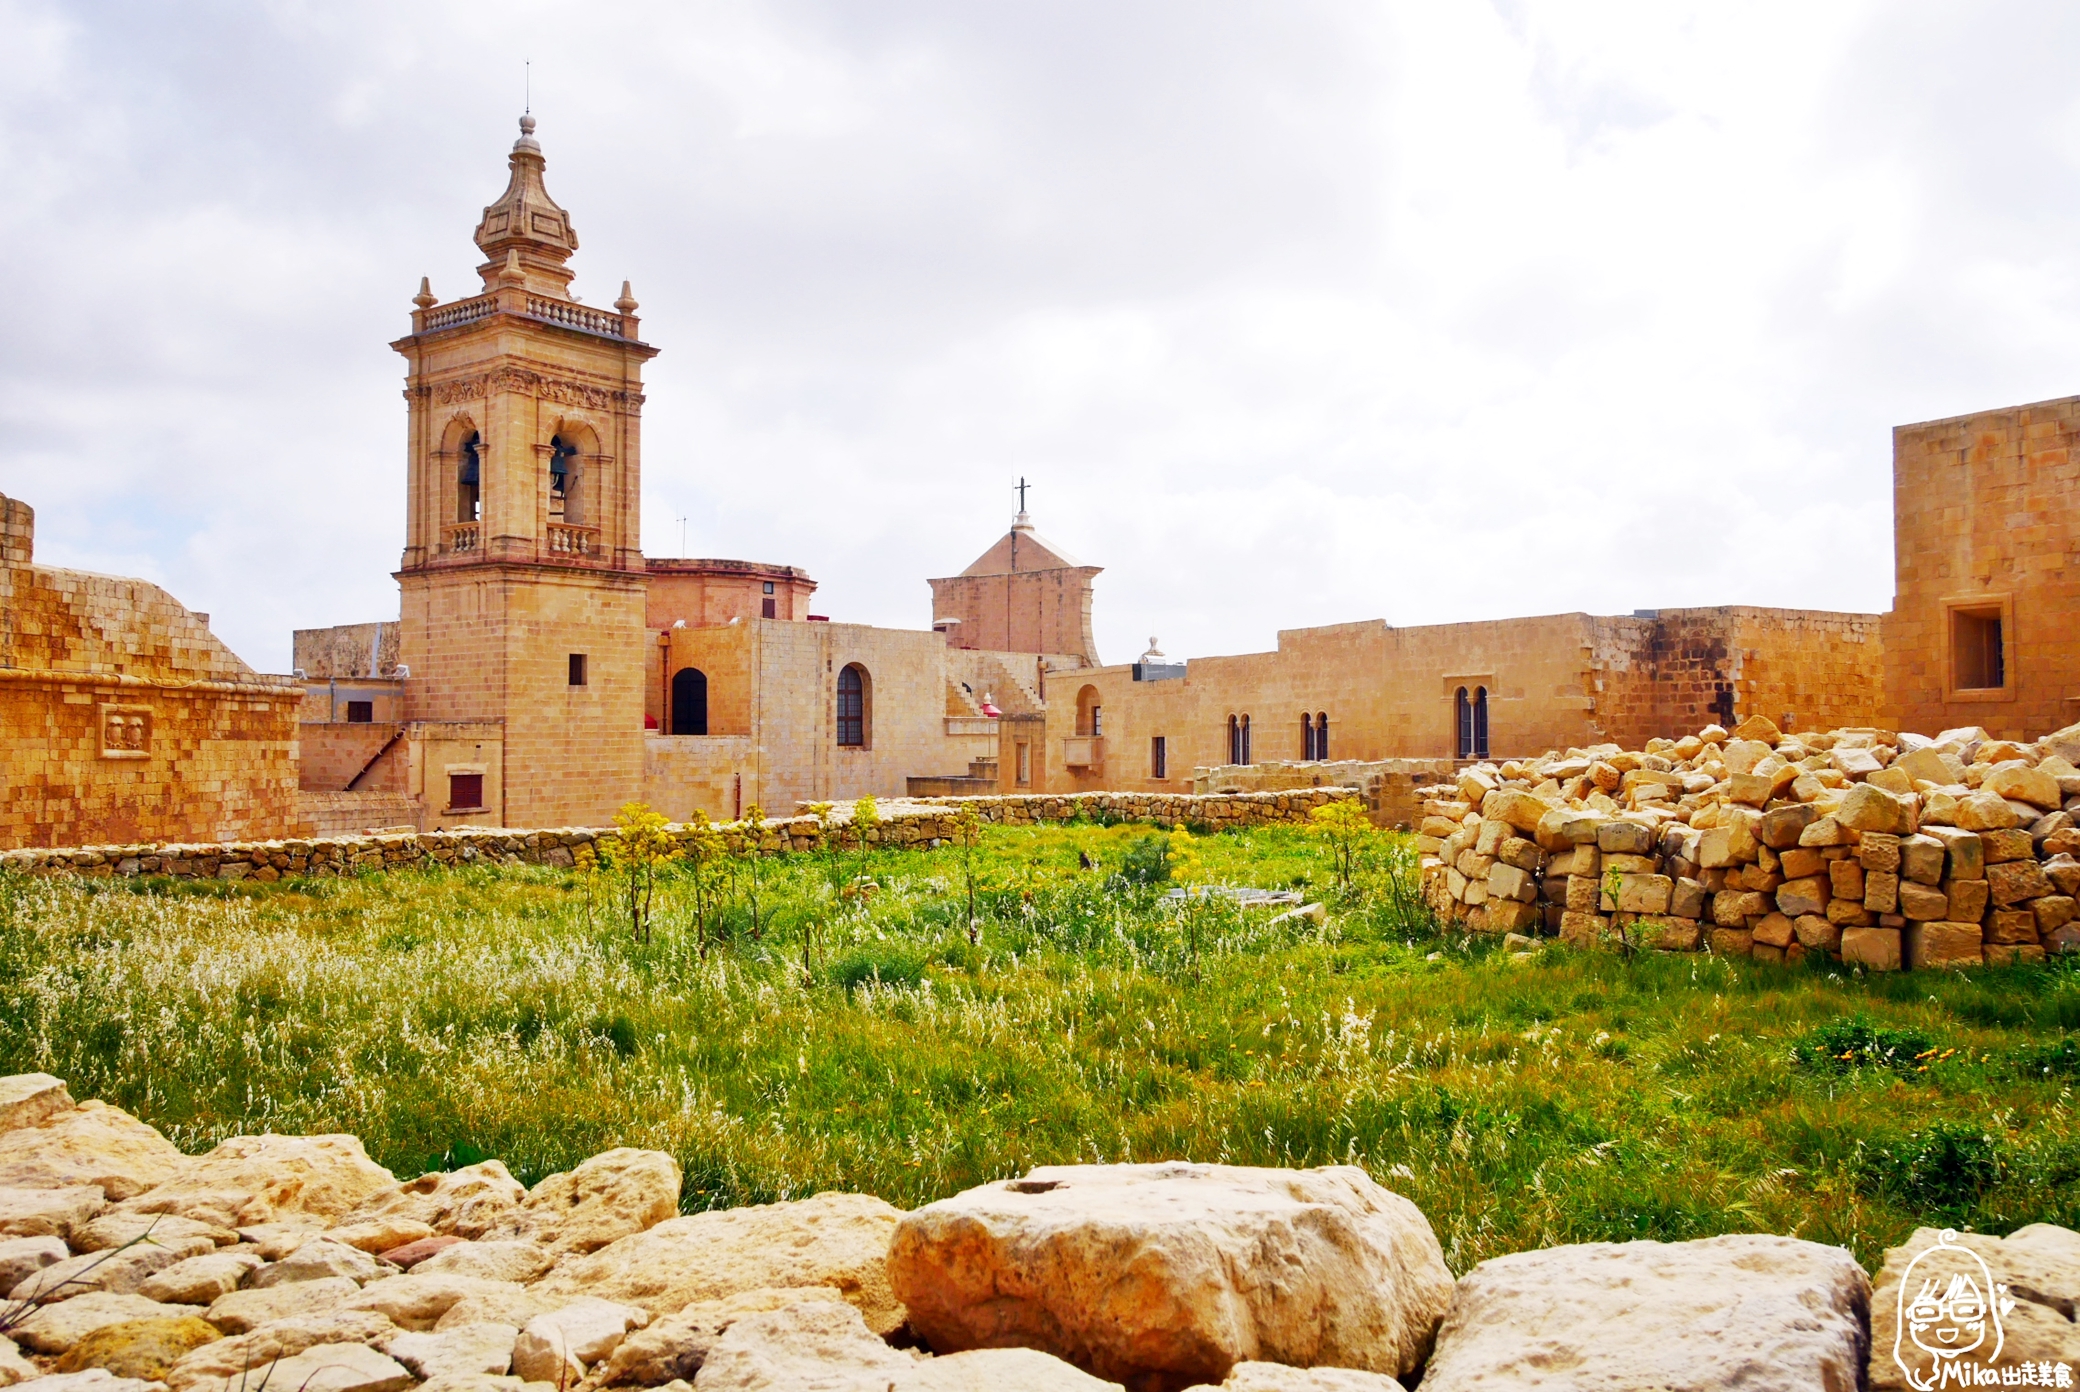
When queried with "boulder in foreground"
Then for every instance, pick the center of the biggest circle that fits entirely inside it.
(1721, 1313)
(2039, 1266)
(1164, 1275)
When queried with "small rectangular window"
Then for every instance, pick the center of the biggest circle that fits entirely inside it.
(1097, 721)
(360, 712)
(1158, 758)
(768, 609)
(465, 792)
(1976, 650)
(1025, 764)
(577, 669)
(769, 587)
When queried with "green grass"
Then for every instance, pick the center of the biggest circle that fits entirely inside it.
(446, 1016)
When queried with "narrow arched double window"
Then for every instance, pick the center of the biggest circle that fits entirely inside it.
(1462, 724)
(1480, 722)
(1234, 740)
(469, 481)
(1245, 741)
(852, 707)
(1306, 736)
(690, 701)
(1321, 735)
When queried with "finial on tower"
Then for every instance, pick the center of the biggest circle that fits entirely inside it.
(425, 299)
(527, 140)
(627, 303)
(527, 220)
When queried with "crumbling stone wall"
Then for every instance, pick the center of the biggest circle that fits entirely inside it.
(1387, 786)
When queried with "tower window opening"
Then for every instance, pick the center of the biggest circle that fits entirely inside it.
(577, 669)
(1976, 650)
(563, 480)
(469, 482)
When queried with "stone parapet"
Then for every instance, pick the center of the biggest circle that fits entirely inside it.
(914, 824)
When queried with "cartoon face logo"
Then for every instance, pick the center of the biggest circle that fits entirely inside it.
(1949, 1310)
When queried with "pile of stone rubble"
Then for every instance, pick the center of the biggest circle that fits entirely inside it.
(295, 1262)
(1880, 849)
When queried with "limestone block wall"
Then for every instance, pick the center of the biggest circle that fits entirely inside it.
(346, 650)
(1032, 611)
(683, 774)
(332, 755)
(923, 823)
(1986, 518)
(353, 814)
(1387, 786)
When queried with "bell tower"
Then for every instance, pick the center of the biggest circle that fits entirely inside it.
(523, 577)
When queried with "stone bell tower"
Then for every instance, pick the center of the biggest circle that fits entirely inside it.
(523, 577)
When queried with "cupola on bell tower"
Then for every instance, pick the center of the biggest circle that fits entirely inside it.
(522, 575)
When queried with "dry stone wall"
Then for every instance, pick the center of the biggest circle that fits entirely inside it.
(1877, 848)
(918, 823)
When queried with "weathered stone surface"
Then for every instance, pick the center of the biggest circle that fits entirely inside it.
(997, 1370)
(2040, 1267)
(56, 1328)
(2019, 783)
(23, 1257)
(116, 1229)
(1277, 1377)
(809, 1344)
(119, 1270)
(244, 1310)
(1806, 896)
(1164, 1271)
(511, 1260)
(228, 1361)
(379, 1235)
(1922, 902)
(418, 1300)
(468, 1202)
(611, 1196)
(562, 1345)
(269, 1179)
(31, 1099)
(676, 1345)
(482, 1349)
(1781, 827)
(86, 1380)
(1876, 949)
(317, 1260)
(2017, 881)
(93, 1143)
(48, 1212)
(838, 1240)
(143, 1349)
(1521, 810)
(13, 1367)
(1944, 945)
(1868, 807)
(201, 1280)
(335, 1368)
(413, 1253)
(1724, 1312)
(1984, 811)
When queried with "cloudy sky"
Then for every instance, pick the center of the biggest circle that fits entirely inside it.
(1293, 313)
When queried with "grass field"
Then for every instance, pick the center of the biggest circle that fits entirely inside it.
(448, 1016)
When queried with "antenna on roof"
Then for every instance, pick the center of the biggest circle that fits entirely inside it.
(526, 86)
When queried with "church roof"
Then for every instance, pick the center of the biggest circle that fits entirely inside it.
(525, 219)
(1022, 549)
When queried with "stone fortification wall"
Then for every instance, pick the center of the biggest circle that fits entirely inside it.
(346, 650)
(1880, 849)
(903, 824)
(1387, 786)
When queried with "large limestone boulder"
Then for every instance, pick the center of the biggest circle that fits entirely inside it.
(489, 1261)
(561, 1346)
(675, 1346)
(243, 1311)
(836, 1240)
(1725, 1312)
(31, 1099)
(48, 1212)
(1169, 1274)
(214, 1367)
(250, 1180)
(122, 1270)
(145, 1349)
(609, 1197)
(1277, 1377)
(1918, 1321)
(92, 1143)
(56, 1328)
(418, 1301)
(23, 1257)
(468, 1202)
(380, 1236)
(13, 1367)
(317, 1260)
(201, 1280)
(809, 1344)
(484, 1350)
(335, 1368)
(120, 1229)
(1008, 1370)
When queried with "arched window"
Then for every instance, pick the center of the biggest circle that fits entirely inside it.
(1480, 722)
(1245, 741)
(853, 721)
(1306, 736)
(690, 701)
(469, 481)
(1321, 735)
(1090, 717)
(1462, 721)
(1234, 740)
(563, 481)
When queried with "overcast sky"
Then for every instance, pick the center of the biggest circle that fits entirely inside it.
(1293, 312)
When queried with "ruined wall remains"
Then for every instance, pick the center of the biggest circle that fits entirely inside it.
(346, 650)
(1387, 786)
(125, 717)
(1986, 527)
